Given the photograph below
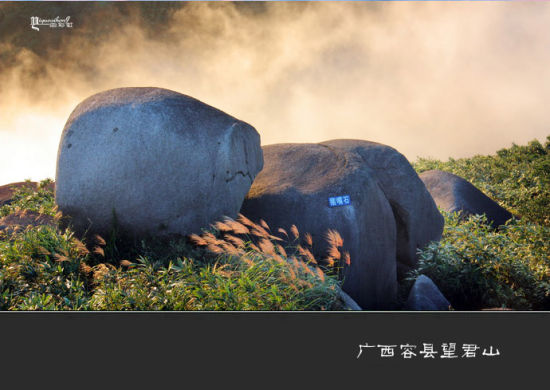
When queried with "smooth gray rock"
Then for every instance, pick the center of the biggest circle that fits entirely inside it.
(294, 188)
(416, 215)
(425, 295)
(452, 193)
(162, 162)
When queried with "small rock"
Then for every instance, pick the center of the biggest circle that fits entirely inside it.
(425, 295)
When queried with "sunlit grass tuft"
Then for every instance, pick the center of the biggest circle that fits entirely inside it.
(239, 265)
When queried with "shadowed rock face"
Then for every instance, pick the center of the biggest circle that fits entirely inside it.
(294, 188)
(162, 162)
(417, 218)
(390, 216)
(453, 194)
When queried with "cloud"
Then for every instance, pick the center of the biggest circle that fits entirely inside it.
(430, 79)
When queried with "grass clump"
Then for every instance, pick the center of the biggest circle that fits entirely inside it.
(44, 267)
(28, 197)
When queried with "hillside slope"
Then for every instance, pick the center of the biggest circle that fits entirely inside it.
(477, 267)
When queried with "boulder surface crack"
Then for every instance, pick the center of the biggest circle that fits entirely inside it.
(243, 174)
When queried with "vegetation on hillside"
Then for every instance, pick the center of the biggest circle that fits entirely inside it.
(44, 267)
(477, 267)
(518, 178)
(239, 265)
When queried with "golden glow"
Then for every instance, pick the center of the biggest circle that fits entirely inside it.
(430, 79)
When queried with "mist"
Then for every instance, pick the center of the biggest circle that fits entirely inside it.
(429, 79)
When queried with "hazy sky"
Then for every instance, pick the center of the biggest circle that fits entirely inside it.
(430, 79)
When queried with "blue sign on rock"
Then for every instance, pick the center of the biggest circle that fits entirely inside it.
(342, 200)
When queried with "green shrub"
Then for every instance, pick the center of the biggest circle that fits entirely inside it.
(476, 267)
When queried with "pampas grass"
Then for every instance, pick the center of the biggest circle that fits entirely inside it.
(252, 243)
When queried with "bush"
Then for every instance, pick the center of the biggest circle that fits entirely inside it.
(476, 267)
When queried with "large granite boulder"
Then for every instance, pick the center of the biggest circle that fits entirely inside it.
(153, 161)
(416, 215)
(455, 194)
(425, 295)
(300, 183)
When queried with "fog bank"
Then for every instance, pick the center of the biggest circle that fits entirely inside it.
(430, 79)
